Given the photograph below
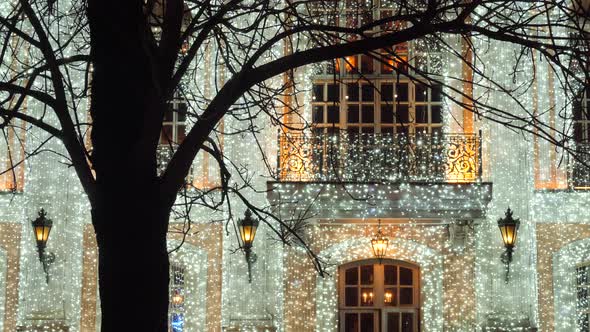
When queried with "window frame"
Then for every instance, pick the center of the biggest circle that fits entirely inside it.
(175, 122)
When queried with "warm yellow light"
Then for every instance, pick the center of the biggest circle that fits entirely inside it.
(508, 235)
(247, 227)
(508, 228)
(42, 233)
(388, 297)
(248, 233)
(177, 298)
(41, 228)
(380, 247)
(367, 297)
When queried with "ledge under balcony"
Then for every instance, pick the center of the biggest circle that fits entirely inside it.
(406, 176)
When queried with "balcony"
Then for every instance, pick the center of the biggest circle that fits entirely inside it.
(383, 158)
(579, 174)
(342, 177)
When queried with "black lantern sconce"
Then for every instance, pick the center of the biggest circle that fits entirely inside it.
(248, 227)
(509, 229)
(42, 227)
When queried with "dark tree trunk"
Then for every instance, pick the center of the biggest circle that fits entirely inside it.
(133, 260)
(129, 217)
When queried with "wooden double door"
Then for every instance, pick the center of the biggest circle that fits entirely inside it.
(381, 320)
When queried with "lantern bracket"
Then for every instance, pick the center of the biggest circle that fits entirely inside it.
(47, 258)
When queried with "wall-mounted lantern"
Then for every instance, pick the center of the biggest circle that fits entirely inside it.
(42, 227)
(509, 229)
(248, 227)
(379, 244)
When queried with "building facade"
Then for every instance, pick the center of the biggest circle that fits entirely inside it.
(371, 150)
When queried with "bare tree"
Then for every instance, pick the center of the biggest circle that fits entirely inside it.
(130, 58)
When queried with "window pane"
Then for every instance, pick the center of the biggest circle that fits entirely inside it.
(401, 114)
(386, 113)
(333, 114)
(351, 64)
(367, 297)
(318, 114)
(436, 114)
(366, 274)
(180, 134)
(367, 64)
(577, 108)
(392, 322)
(351, 296)
(390, 297)
(580, 133)
(181, 114)
(401, 92)
(368, 92)
(318, 92)
(421, 92)
(333, 92)
(390, 272)
(352, 91)
(406, 296)
(367, 322)
(352, 276)
(169, 114)
(351, 322)
(421, 114)
(387, 92)
(386, 64)
(368, 115)
(405, 276)
(353, 114)
(436, 93)
(166, 136)
(407, 322)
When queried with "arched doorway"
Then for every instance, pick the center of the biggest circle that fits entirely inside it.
(379, 297)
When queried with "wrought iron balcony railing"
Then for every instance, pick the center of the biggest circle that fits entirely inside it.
(380, 158)
(579, 174)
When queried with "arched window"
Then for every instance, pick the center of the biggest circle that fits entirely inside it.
(377, 297)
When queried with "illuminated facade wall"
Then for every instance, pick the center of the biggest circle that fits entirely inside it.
(451, 234)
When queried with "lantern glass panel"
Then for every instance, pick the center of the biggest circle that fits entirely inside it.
(248, 232)
(42, 233)
(508, 234)
(379, 247)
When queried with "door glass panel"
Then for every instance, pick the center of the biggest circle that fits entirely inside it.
(351, 296)
(406, 296)
(389, 297)
(367, 274)
(352, 276)
(405, 276)
(392, 322)
(351, 323)
(367, 297)
(390, 272)
(407, 322)
(367, 322)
